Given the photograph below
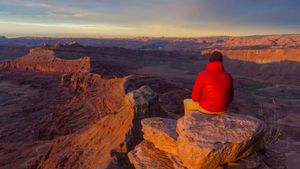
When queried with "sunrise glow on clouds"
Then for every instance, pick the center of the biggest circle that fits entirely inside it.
(130, 18)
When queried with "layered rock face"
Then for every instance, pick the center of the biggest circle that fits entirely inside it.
(101, 140)
(45, 60)
(87, 129)
(94, 118)
(260, 56)
(196, 141)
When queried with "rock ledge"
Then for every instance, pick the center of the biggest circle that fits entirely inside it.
(197, 141)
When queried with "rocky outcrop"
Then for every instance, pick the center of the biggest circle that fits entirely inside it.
(107, 140)
(207, 141)
(80, 81)
(45, 60)
(97, 119)
(145, 103)
(87, 121)
(198, 141)
(73, 44)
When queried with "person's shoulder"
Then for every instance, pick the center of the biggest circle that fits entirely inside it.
(202, 73)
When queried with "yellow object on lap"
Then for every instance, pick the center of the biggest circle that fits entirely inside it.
(190, 105)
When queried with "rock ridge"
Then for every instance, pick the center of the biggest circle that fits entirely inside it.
(260, 56)
(107, 138)
(97, 125)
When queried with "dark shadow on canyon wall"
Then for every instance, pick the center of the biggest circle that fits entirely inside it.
(283, 72)
(12, 52)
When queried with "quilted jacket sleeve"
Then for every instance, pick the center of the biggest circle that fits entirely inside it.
(197, 89)
(231, 95)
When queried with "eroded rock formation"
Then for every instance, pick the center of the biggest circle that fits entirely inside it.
(197, 141)
(116, 131)
(112, 130)
(96, 122)
(45, 60)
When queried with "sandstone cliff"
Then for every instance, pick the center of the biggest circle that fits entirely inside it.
(95, 128)
(260, 56)
(94, 124)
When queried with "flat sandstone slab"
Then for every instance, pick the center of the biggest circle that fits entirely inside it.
(207, 141)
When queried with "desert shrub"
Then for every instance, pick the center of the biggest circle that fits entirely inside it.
(271, 135)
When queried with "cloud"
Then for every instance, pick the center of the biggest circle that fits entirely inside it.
(228, 16)
(60, 29)
(258, 12)
(4, 13)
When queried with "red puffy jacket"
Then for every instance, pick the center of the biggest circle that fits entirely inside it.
(213, 88)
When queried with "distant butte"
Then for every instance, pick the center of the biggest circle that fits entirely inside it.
(44, 60)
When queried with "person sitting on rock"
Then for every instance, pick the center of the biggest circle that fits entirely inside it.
(213, 89)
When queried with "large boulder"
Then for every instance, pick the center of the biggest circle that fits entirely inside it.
(207, 141)
(200, 141)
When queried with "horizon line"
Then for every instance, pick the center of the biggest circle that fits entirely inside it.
(140, 37)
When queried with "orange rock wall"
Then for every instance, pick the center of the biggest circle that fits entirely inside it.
(261, 55)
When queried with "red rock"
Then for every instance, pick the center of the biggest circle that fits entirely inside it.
(146, 156)
(208, 141)
(44, 60)
(260, 56)
(162, 133)
(202, 141)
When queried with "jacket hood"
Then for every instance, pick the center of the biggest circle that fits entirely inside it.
(215, 66)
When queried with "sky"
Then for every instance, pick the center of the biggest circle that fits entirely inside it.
(154, 18)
